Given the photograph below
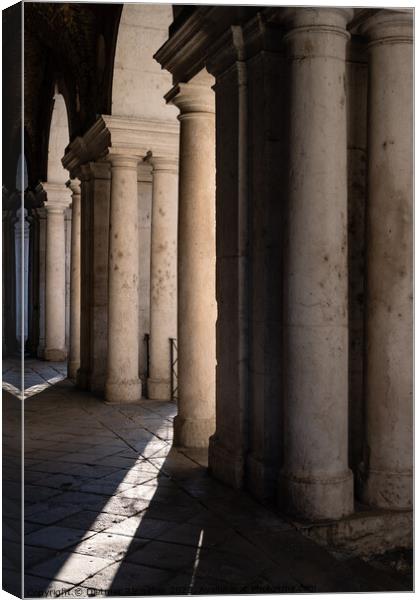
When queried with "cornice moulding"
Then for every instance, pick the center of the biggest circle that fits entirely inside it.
(122, 136)
(186, 52)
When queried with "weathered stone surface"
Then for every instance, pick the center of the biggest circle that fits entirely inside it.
(113, 542)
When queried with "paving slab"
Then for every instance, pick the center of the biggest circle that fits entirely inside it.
(125, 579)
(69, 567)
(92, 520)
(109, 545)
(113, 506)
(56, 537)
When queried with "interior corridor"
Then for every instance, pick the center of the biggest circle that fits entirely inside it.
(112, 508)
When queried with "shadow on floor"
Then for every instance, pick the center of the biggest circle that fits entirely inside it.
(112, 509)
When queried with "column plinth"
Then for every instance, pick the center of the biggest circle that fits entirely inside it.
(386, 473)
(74, 350)
(163, 284)
(58, 199)
(197, 310)
(122, 383)
(315, 481)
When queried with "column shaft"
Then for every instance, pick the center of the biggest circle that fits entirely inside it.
(197, 310)
(315, 481)
(122, 381)
(55, 289)
(83, 373)
(42, 257)
(58, 199)
(163, 275)
(74, 350)
(144, 187)
(388, 459)
(98, 293)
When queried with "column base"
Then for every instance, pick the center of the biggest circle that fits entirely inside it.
(382, 489)
(55, 354)
(72, 368)
(158, 389)
(225, 465)
(316, 499)
(122, 392)
(193, 433)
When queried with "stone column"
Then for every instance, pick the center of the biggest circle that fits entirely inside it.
(55, 289)
(122, 381)
(144, 188)
(67, 221)
(42, 214)
(228, 447)
(197, 309)
(163, 277)
(100, 190)
(387, 468)
(84, 371)
(315, 480)
(74, 349)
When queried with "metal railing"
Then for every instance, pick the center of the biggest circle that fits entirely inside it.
(173, 350)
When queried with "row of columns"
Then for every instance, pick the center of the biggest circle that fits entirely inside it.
(186, 288)
(181, 282)
(315, 480)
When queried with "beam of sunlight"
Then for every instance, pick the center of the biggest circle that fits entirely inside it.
(78, 551)
(8, 387)
(196, 562)
(10, 376)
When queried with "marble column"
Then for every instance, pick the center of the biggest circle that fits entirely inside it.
(58, 198)
(163, 275)
(122, 383)
(315, 481)
(197, 309)
(74, 349)
(388, 457)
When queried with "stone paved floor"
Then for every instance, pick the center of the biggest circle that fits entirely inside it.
(38, 375)
(111, 508)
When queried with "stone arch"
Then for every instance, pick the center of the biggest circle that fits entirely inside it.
(58, 140)
(139, 84)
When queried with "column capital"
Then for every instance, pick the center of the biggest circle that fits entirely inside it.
(388, 27)
(164, 163)
(58, 197)
(123, 159)
(74, 186)
(317, 32)
(332, 20)
(196, 96)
